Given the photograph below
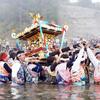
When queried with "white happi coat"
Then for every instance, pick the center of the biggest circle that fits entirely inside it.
(96, 64)
(77, 71)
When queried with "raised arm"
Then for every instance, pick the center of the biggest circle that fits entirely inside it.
(80, 54)
(92, 57)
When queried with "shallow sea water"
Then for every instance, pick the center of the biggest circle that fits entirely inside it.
(49, 92)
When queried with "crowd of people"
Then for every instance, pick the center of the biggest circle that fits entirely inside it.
(76, 64)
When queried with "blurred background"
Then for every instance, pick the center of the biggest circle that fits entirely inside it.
(82, 16)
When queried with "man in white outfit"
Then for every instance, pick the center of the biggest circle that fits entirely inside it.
(78, 75)
(95, 59)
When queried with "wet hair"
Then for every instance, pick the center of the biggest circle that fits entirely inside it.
(19, 52)
(70, 53)
(65, 49)
(69, 64)
(54, 53)
(57, 52)
(72, 59)
(64, 56)
(12, 55)
(50, 60)
(53, 66)
(97, 53)
(76, 46)
(94, 45)
(77, 51)
(84, 61)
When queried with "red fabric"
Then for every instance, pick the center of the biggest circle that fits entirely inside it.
(3, 56)
(34, 51)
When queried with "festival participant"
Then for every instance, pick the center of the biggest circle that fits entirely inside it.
(12, 56)
(33, 73)
(5, 70)
(77, 72)
(59, 70)
(51, 70)
(40, 71)
(52, 62)
(20, 73)
(35, 68)
(63, 75)
(95, 59)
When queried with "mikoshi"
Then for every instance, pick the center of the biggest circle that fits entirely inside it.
(40, 34)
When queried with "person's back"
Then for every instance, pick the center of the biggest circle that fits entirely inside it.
(95, 59)
(5, 69)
